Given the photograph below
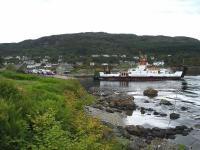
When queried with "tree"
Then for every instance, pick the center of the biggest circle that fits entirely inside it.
(1, 62)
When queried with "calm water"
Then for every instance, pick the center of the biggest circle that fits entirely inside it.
(180, 93)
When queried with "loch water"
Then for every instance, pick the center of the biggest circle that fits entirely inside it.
(181, 94)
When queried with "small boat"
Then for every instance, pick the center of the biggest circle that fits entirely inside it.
(143, 72)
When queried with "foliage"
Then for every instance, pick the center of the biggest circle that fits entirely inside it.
(181, 147)
(22, 69)
(1, 62)
(11, 67)
(47, 113)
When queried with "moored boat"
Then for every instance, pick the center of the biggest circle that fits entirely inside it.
(143, 72)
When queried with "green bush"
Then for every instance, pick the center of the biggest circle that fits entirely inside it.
(18, 76)
(181, 147)
(8, 90)
(47, 113)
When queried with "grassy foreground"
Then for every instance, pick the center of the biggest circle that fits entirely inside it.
(47, 113)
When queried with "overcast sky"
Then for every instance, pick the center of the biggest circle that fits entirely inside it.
(30, 19)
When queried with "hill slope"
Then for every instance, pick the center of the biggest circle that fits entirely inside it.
(102, 43)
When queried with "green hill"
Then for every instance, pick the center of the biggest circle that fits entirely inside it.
(102, 43)
(80, 46)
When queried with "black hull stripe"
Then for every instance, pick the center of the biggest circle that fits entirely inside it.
(138, 78)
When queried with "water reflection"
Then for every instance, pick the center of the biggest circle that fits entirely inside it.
(184, 85)
(124, 84)
(138, 86)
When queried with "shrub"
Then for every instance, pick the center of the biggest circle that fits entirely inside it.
(8, 90)
(46, 113)
(18, 76)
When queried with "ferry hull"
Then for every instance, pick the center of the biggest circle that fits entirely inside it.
(137, 78)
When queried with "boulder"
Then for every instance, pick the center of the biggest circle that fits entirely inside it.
(123, 102)
(150, 92)
(174, 116)
(165, 102)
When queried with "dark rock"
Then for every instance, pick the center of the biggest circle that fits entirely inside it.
(155, 113)
(142, 110)
(119, 111)
(183, 127)
(109, 110)
(171, 137)
(150, 109)
(135, 130)
(184, 108)
(185, 133)
(184, 83)
(165, 102)
(98, 106)
(123, 132)
(163, 114)
(156, 129)
(159, 114)
(129, 112)
(156, 132)
(178, 131)
(136, 144)
(150, 92)
(169, 132)
(174, 116)
(159, 133)
(146, 101)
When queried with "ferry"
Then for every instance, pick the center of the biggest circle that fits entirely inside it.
(143, 72)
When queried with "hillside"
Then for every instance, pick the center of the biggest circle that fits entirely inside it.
(47, 113)
(102, 43)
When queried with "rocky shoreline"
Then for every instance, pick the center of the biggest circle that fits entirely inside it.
(112, 106)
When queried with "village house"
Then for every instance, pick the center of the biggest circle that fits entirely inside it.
(159, 63)
(64, 68)
(92, 64)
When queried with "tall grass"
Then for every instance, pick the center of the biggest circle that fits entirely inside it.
(47, 113)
